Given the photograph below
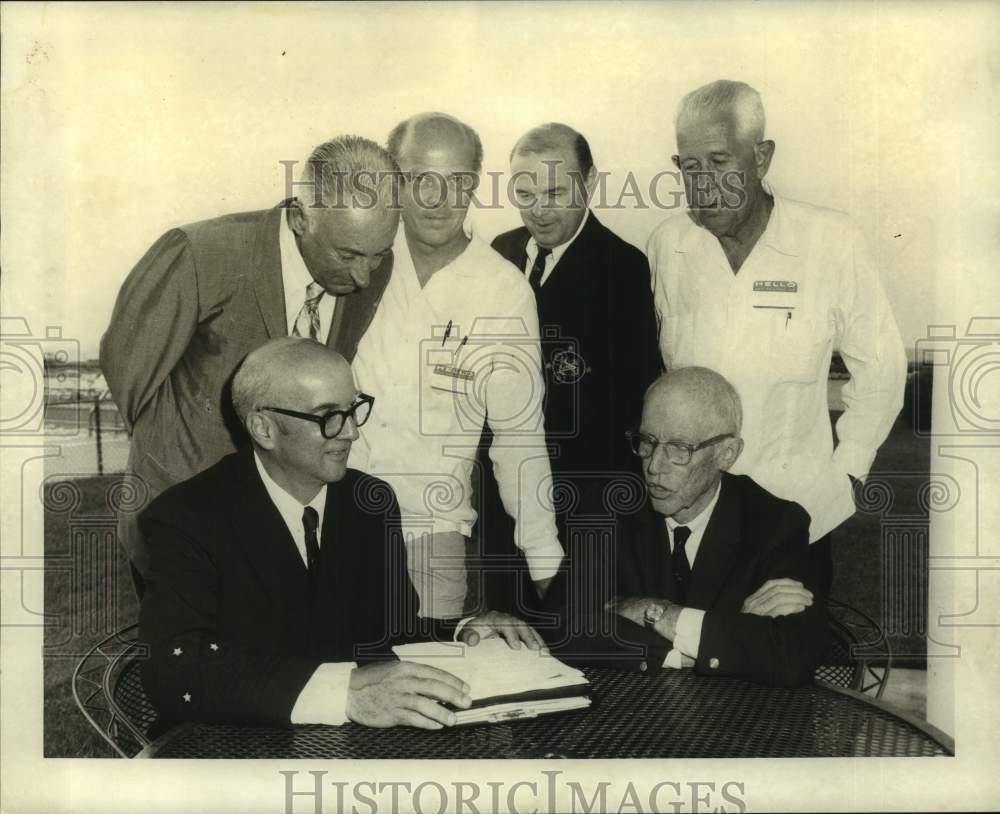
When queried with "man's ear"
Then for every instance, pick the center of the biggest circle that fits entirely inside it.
(262, 430)
(729, 451)
(677, 160)
(296, 217)
(763, 153)
(590, 182)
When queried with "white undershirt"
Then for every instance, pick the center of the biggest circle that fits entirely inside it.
(550, 262)
(688, 635)
(295, 279)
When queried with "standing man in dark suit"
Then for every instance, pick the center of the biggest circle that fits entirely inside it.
(278, 571)
(715, 565)
(595, 310)
(206, 294)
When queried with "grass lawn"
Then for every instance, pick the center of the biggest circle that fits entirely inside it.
(88, 589)
(88, 595)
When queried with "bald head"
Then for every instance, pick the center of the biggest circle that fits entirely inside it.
(275, 372)
(691, 423)
(438, 131)
(700, 396)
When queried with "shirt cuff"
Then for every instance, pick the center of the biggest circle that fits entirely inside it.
(677, 660)
(458, 628)
(323, 699)
(687, 639)
(853, 458)
(544, 560)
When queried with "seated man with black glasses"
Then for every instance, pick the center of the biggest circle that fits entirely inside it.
(277, 582)
(713, 564)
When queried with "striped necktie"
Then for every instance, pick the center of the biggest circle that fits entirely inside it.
(307, 322)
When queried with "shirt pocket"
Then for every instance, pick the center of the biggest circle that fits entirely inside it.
(800, 350)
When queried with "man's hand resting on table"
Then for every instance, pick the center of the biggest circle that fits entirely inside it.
(401, 692)
(493, 623)
(778, 597)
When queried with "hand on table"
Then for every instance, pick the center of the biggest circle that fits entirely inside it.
(493, 623)
(399, 692)
(778, 597)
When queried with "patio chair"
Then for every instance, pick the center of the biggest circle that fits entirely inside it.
(858, 655)
(108, 691)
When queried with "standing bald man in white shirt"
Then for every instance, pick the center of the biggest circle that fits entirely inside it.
(454, 342)
(763, 289)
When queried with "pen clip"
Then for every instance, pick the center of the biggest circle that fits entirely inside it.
(447, 333)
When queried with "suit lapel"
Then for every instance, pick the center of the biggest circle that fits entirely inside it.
(264, 538)
(652, 548)
(579, 254)
(353, 313)
(717, 554)
(267, 286)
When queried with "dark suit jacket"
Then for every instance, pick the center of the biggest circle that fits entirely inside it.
(225, 571)
(598, 303)
(200, 300)
(751, 537)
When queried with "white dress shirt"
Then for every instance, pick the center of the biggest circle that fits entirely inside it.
(323, 700)
(295, 279)
(550, 262)
(808, 286)
(433, 391)
(688, 634)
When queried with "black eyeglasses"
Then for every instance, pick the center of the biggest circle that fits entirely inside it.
(677, 453)
(331, 423)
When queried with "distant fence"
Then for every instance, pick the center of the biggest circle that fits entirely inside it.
(91, 437)
(85, 437)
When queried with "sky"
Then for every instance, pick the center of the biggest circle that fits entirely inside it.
(122, 121)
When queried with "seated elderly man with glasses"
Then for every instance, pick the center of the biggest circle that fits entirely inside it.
(277, 582)
(714, 565)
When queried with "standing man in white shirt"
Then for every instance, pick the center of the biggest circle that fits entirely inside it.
(454, 342)
(763, 289)
(277, 579)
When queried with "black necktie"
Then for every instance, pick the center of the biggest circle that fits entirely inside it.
(679, 563)
(310, 521)
(538, 269)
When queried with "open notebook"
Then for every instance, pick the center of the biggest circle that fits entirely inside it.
(505, 684)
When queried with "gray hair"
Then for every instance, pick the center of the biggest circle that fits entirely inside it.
(400, 132)
(725, 96)
(547, 138)
(349, 166)
(710, 391)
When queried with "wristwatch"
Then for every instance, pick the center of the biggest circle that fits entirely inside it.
(653, 614)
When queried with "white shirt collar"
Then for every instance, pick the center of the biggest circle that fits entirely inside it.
(295, 279)
(557, 252)
(289, 507)
(697, 525)
(699, 522)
